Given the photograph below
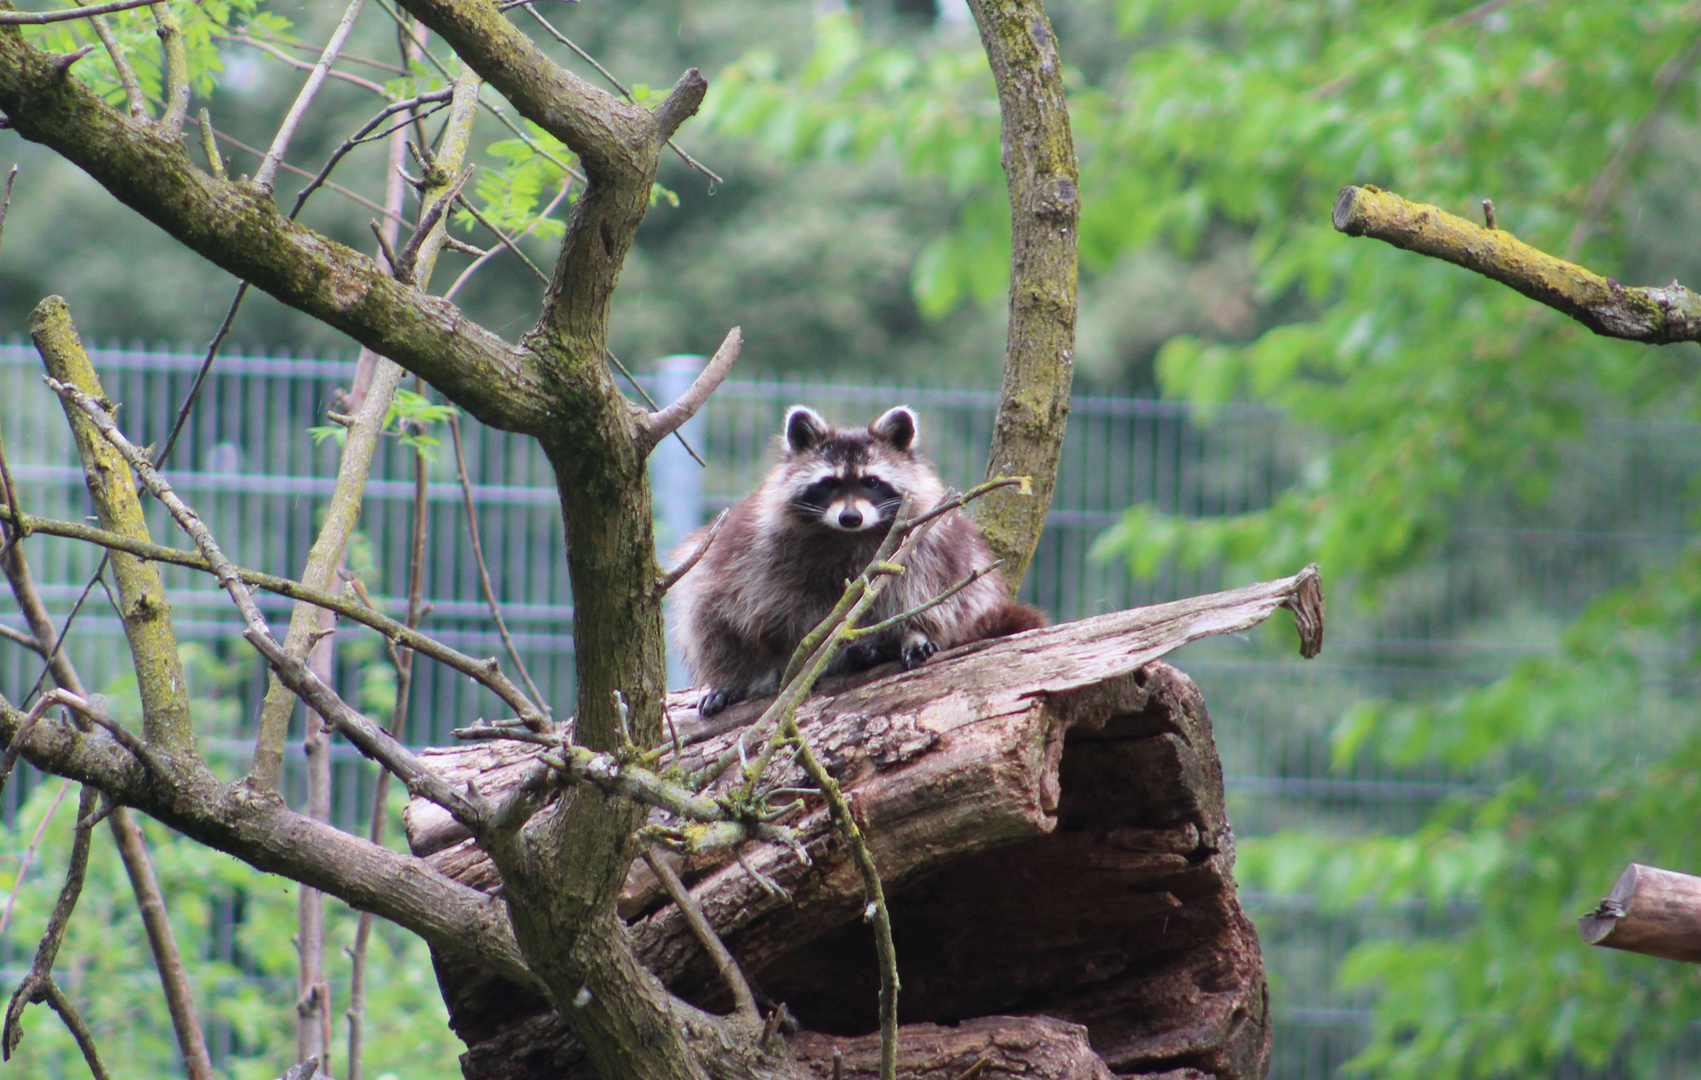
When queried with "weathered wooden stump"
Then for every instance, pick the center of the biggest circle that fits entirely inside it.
(1047, 815)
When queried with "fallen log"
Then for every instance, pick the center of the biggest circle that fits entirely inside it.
(1047, 814)
(1651, 911)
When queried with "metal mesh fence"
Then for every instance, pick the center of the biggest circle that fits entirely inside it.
(1502, 585)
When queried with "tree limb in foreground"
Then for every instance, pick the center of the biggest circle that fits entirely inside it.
(1658, 315)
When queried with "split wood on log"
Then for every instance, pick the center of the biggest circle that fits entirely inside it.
(1652, 911)
(1047, 814)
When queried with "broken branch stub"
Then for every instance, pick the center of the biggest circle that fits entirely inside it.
(1651, 911)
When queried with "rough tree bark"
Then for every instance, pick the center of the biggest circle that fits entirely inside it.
(1045, 206)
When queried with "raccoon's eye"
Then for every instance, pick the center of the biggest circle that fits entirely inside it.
(870, 482)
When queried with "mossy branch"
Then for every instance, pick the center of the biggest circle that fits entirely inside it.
(1660, 315)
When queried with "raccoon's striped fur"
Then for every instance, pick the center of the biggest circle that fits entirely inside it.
(783, 557)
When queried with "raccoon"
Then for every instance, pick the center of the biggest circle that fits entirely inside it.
(785, 552)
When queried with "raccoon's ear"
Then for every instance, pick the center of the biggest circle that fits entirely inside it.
(896, 426)
(805, 428)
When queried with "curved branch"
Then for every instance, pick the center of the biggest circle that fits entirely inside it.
(613, 138)
(237, 227)
(1656, 316)
(1045, 205)
(260, 830)
(665, 421)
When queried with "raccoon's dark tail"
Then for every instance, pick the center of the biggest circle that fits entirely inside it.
(1010, 618)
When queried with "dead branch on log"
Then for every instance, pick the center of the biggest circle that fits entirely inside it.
(957, 773)
(1651, 911)
(1654, 315)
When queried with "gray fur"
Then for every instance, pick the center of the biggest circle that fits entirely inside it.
(782, 559)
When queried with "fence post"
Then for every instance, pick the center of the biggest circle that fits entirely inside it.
(676, 480)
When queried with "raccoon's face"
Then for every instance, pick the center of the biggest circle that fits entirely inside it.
(850, 481)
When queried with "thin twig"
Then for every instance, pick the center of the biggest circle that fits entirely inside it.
(905, 616)
(174, 979)
(560, 196)
(651, 402)
(536, 147)
(690, 161)
(298, 171)
(663, 421)
(372, 741)
(671, 578)
(268, 47)
(18, 637)
(29, 852)
(472, 667)
(507, 241)
(73, 1020)
(1673, 75)
(268, 170)
(33, 987)
(743, 1000)
(210, 145)
(250, 39)
(364, 134)
(42, 18)
(133, 96)
(483, 571)
(6, 199)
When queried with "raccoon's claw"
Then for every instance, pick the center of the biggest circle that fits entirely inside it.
(713, 701)
(916, 654)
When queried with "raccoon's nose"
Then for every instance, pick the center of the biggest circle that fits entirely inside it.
(850, 519)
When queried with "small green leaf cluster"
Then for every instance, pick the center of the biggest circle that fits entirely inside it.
(136, 32)
(408, 420)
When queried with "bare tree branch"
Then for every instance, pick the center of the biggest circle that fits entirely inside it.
(237, 227)
(483, 671)
(484, 571)
(176, 71)
(133, 95)
(33, 988)
(743, 1000)
(671, 578)
(1045, 208)
(147, 626)
(59, 1003)
(174, 979)
(42, 18)
(690, 161)
(1653, 315)
(291, 669)
(659, 424)
(268, 170)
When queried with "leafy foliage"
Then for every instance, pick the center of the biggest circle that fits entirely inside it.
(203, 26)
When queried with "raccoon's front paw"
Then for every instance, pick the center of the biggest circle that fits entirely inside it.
(864, 655)
(713, 700)
(916, 652)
